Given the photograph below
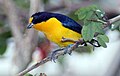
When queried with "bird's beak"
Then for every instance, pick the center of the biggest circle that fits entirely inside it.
(30, 25)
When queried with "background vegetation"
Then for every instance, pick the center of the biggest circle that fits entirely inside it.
(14, 15)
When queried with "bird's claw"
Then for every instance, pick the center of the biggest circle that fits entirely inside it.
(67, 51)
(53, 56)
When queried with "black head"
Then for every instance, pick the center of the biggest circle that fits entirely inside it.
(37, 18)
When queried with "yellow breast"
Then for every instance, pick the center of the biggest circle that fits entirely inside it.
(54, 31)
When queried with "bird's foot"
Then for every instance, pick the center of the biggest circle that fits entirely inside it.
(53, 55)
(66, 50)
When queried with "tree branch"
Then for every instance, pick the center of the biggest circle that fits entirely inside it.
(115, 19)
(59, 53)
(48, 58)
(97, 20)
(111, 21)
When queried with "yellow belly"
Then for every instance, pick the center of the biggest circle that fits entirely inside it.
(54, 31)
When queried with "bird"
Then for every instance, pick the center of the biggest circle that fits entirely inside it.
(56, 27)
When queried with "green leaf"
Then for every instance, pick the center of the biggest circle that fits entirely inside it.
(81, 14)
(99, 28)
(85, 12)
(85, 34)
(104, 38)
(89, 12)
(101, 42)
(100, 13)
(88, 32)
(89, 15)
(90, 29)
(73, 16)
(115, 26)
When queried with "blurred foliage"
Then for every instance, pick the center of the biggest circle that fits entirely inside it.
(28, 74)
(24, 4)
(1, 23)
(4, 34)
(90, 16)
(73, 16)
(3, 37)
(45, 1)
(2, 18)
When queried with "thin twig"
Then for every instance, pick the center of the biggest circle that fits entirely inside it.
(48, 58)
(111, 21)
(34, 66)
(59, 53)
(97, 20)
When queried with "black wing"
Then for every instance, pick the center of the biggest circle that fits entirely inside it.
(68, 22)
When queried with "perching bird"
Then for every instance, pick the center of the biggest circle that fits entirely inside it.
(56, 26)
